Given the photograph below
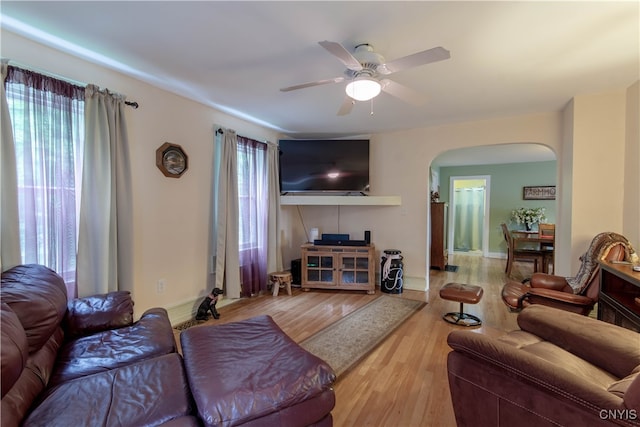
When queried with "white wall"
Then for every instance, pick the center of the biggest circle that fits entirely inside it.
(171, 216)
(595, 139)
(400, 166)
(598, 168)
(630, 221)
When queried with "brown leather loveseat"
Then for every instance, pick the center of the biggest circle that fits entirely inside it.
(560, 368)
(85, 362)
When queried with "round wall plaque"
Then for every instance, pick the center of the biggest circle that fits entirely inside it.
(171, 160)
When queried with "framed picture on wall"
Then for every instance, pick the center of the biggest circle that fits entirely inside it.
(546, 192)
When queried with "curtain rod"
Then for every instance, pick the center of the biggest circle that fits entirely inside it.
(220, 130)
(132, 104)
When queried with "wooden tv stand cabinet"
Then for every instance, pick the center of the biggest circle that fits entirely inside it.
(619, 299)
(338, 267)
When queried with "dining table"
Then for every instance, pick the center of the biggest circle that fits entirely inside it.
(531, 240)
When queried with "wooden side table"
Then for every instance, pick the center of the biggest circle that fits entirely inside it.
(280, 278)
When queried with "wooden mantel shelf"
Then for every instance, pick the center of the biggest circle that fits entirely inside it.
(328, 200)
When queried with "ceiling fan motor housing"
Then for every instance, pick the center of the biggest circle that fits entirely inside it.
(368, 58)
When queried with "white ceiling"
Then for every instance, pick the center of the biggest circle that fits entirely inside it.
(507, 58)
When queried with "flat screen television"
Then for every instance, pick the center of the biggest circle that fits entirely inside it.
(324, 165)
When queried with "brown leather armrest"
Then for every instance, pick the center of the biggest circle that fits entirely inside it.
(562, 300)
(560, 296)
(549, 281)
(98, 313)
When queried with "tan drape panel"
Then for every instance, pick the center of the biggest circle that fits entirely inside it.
(105, 236)
(10, 254)
(225, 185)
(274, 252)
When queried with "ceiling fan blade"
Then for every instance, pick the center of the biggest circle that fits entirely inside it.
(311, 84)
(402, 92)
(415, 60)
(342, 54)
(346, 106)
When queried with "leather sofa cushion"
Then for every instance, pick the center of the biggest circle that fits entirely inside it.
(150, 336)
(558, 356)
(32, 381)
(13, 348)
(619, 388)
(632, 393)
(577, 334)
(245, 371)
(147, 393)
(38, 296)
(98, 313)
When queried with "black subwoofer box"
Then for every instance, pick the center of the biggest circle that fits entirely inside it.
(296, 272)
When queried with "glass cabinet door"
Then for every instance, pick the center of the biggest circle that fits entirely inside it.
(320, 268)
(355, 269)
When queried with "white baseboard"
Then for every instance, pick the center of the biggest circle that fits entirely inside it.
(412, 283)
(415, 283)
(498, 255)
(187, 310)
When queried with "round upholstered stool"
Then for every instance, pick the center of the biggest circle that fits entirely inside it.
(469, 294)
(280, 278)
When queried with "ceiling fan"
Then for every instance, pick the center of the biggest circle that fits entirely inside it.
(365, 69)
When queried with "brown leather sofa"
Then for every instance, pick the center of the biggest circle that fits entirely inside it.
(560, 368)
(85, 362)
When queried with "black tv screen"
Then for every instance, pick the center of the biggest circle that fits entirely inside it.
(319, 165)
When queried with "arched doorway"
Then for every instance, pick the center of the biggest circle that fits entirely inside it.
(473, 163)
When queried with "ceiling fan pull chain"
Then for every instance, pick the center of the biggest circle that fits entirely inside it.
(371, 114)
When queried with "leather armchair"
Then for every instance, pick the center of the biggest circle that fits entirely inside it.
(559, 368)
(577, 294)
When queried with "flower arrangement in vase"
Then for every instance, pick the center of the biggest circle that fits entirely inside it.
(528, 216)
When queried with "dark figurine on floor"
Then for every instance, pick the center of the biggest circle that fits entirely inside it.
(209, 303)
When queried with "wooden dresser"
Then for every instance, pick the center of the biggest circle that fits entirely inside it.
(619, 299)
(438, 235)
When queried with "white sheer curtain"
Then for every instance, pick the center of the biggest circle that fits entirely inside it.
(104, 241)
(47, 120)
(246, 206)
(9, 224)
(253, 208)
(469, 211)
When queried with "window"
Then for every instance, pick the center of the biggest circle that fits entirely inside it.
(252, 181)
(253, 212)
(47, 117)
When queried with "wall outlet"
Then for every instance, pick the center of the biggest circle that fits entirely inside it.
(161, 285)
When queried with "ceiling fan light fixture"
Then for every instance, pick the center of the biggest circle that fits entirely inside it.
(363, 88)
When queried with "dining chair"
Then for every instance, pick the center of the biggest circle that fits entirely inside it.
(517, 253)
(547, 231)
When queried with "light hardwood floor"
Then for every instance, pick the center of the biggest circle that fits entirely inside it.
(403, 382)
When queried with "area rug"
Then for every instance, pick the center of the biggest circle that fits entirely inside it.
(188, 323)
(344, 343)
(452, 268)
